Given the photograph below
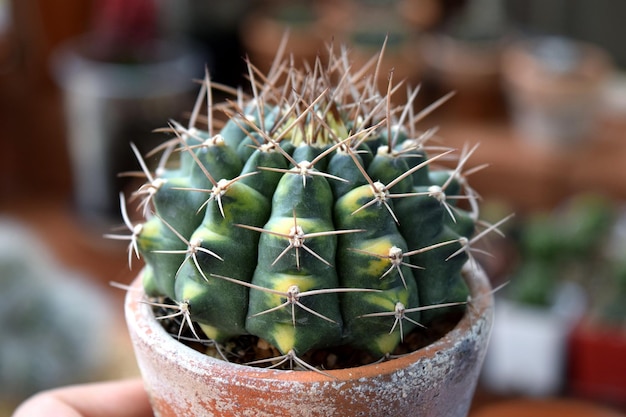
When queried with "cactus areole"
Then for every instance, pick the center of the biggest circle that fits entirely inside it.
(308, 213)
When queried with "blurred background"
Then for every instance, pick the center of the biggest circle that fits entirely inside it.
(541, 85)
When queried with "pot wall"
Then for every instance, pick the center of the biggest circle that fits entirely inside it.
(438, 380)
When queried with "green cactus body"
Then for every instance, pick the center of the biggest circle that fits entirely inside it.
(222, 317)
(301, 205)
(341, 164)
(302, 225)
(440, 281)
(156, 236)
(365, 262)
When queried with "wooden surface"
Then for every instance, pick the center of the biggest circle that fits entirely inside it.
(543, 408)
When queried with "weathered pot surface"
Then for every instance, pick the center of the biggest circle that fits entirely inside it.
(438, 380)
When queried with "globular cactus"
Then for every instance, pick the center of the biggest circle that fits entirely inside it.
(312, 217)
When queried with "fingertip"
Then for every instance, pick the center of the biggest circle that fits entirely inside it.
(126, 398)
(44, 404)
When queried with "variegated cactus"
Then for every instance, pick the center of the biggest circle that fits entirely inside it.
(311, 217)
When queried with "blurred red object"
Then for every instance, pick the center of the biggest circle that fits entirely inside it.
(124, 25)
(597, 362)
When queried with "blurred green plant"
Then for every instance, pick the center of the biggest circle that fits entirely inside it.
(582, 241)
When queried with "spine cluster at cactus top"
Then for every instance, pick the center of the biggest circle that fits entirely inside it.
(315, 215)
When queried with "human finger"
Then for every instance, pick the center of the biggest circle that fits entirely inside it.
(126, 398)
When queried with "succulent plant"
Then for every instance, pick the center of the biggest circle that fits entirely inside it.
(311, 216)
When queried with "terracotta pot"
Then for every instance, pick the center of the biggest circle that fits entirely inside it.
(438, 380)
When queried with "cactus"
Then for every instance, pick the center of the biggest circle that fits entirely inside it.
(312, 217)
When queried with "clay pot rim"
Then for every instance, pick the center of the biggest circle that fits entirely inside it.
(139, 315)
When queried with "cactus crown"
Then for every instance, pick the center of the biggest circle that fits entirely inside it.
(312, 217)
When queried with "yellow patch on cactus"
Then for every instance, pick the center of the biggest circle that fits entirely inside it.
(313, 134)
(282, 282)
(380, 246)
(353, 200)
(284, 225)
(152, 234)
(387, 342)
(284, 336)
(245, 197)
(210, 331)
(192, 291)
(385, 301)
(209, 237)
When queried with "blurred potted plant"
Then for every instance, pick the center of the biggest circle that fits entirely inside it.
(118, 81)
(553, 86)
(39, 297)
(547, 296)
(597, 347)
